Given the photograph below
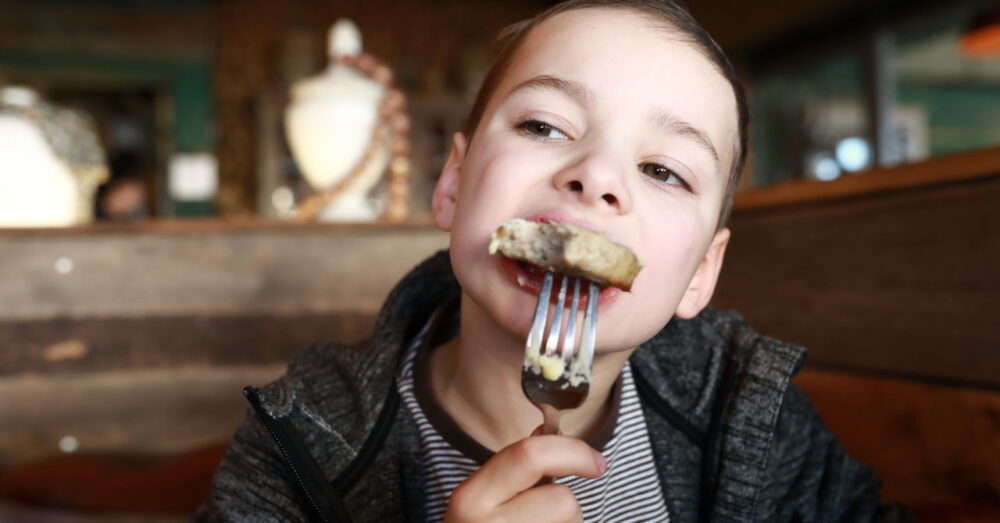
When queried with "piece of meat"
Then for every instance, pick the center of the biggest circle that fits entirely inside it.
(567, 249)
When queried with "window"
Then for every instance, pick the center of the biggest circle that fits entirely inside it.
(898, 93)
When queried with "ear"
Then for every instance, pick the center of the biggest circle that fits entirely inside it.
(702, 285)
(446, 191)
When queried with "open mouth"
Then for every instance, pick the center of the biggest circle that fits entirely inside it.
(529, 278)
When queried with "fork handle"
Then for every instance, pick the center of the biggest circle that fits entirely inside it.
(550, 425)
(550, 417)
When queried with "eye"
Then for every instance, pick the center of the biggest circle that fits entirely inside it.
(664, 174)
(539, 129)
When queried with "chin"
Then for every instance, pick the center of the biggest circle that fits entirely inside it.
(508, 314)
(505, 305)
(629, 323)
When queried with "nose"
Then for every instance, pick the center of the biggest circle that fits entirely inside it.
(597, 178)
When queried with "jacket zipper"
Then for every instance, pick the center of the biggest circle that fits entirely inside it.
(254, 397)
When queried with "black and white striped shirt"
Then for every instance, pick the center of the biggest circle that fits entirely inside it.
(628, 491)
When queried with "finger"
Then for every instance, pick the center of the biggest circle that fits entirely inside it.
(550, 503)
(541, 430)
(519, 466)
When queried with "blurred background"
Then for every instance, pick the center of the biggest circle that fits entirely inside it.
(157, 252)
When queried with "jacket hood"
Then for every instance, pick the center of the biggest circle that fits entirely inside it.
(311, 392)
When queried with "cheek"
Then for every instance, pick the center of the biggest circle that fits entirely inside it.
(490, 189)
(501, 184)
(672, 249)
(674, 235)
(503, 168)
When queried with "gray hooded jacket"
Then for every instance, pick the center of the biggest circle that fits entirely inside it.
(732, 438)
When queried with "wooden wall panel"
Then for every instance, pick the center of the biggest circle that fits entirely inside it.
(138, 414)
(893, 276)
(206, 269)
(62, 345)
(906, 282)
(937, 449)
(143, 347)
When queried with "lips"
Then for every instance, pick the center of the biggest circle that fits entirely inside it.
(529, 278)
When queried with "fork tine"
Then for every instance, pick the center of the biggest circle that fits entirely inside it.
(581, 364)
(557, 383)
(569, 342)
(534, 344)
(552, 344)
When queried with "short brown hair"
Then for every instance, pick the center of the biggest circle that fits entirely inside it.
(669, 11)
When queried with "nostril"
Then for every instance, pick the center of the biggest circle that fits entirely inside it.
(575, 186)
(610, 198)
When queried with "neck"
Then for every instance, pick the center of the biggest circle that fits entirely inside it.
(476, 377)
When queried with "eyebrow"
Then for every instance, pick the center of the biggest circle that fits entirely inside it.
(671, 124)
(575, 90)
(665, 120)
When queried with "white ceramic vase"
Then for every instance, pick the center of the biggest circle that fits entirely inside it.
(329, 124)
(37, 188)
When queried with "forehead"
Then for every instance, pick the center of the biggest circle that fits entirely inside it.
(631, 60)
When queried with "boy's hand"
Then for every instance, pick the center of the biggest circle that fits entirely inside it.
(506, 487)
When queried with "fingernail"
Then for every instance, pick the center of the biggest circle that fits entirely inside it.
(602, 464)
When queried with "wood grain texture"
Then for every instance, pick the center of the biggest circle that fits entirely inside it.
(943, 170)
(142, 272)
(175, 485)
(144, 413)
(905, 282)
(66, 345)
(937, 449)
(19, 513)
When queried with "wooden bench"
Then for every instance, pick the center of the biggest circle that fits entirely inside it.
(891, 279)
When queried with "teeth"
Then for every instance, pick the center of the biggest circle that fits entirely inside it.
(520, 280)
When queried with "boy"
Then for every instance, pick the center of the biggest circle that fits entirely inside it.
(619, 116)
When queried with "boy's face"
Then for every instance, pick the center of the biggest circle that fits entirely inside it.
(605, 120)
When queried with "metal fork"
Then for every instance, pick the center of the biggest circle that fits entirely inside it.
(553, 393)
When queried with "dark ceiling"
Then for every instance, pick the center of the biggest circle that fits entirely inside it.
(742, 25)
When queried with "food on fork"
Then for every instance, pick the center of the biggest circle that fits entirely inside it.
(591, 259)
(568, 249)
(551, 366)
(566, 370)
